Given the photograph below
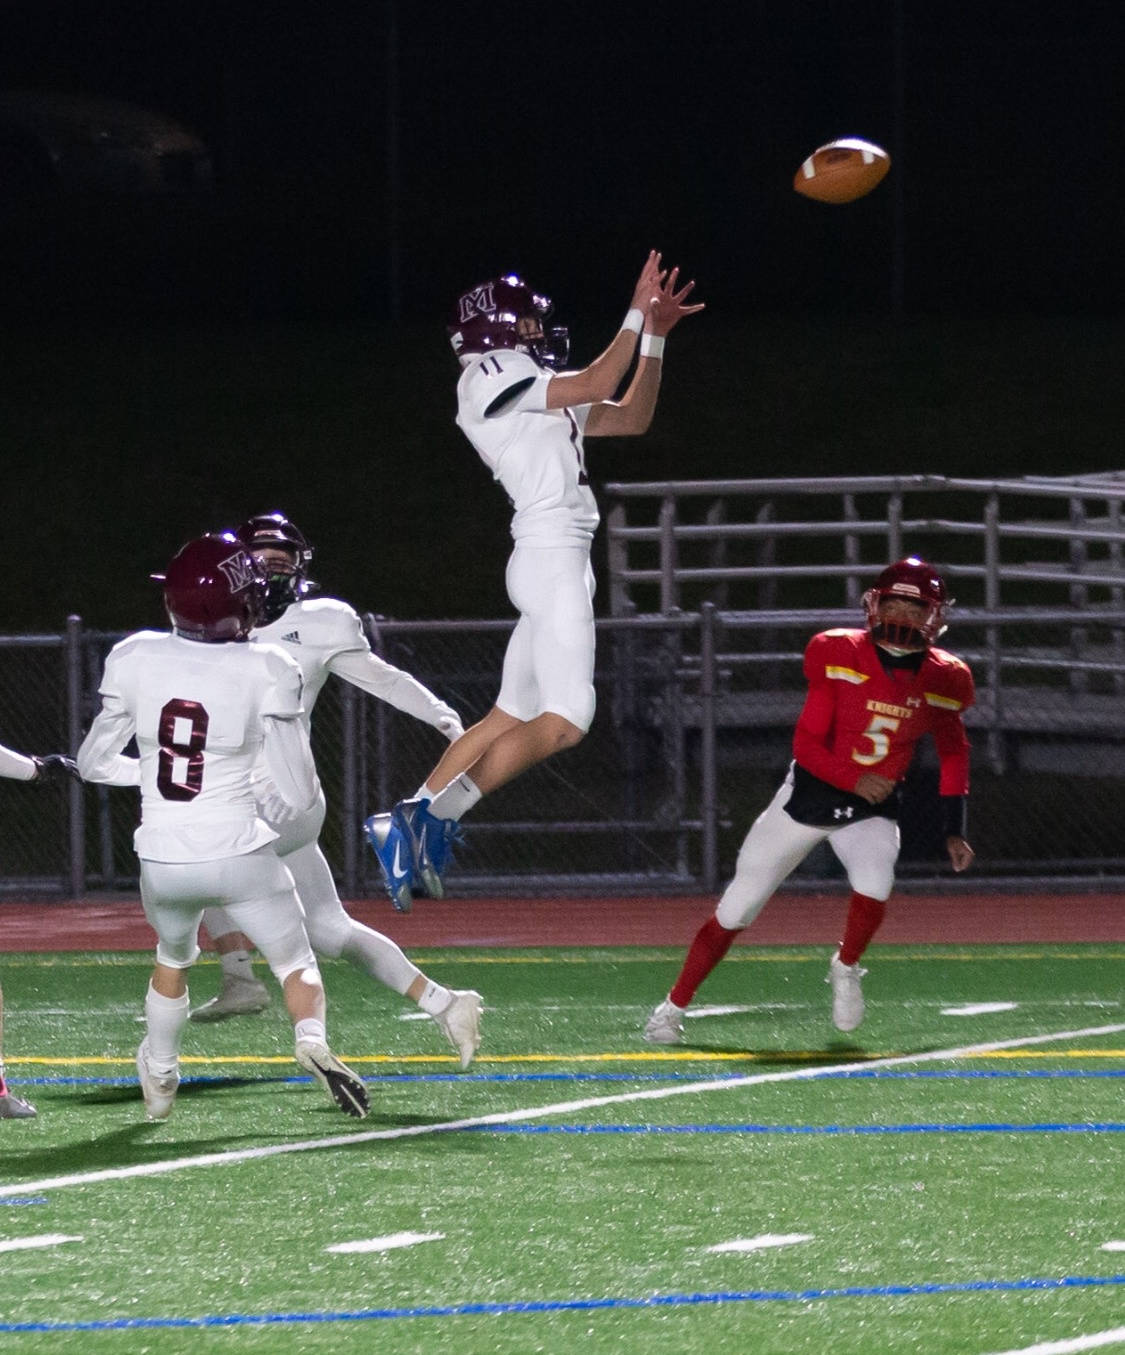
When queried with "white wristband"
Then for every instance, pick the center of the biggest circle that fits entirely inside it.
(652, 346)
(634, 320)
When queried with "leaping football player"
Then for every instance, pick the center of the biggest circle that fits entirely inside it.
(872, 694)
(324, 636)
(527, 418)
(204, 707)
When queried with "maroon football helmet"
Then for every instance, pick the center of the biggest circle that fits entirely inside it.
(912, 580)
(488, 317)
(213, 590)
(282, 586)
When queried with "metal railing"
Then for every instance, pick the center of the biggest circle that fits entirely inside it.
(793, 535)
(692, 734)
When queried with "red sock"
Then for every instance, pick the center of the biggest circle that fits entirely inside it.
(864, 917)
(711, 943)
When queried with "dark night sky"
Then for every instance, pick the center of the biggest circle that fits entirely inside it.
(561, 141)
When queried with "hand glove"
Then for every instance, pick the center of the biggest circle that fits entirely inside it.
(450, 725)
(54, 768)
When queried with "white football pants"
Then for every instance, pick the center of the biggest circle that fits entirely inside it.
(777, 844)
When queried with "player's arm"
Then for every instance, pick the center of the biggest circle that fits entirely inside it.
(356, 663)
(289, 760)
(16, 765)
(100, 758)
(952, 744)
(632, 414)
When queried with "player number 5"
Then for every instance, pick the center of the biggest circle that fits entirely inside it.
(879, 732)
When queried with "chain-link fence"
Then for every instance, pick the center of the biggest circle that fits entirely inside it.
(692, 735)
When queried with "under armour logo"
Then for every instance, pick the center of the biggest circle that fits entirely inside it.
(239, 570)
(479, 301)
(844, 812)
(293, 637)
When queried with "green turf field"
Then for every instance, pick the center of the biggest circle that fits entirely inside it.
(768, 1187)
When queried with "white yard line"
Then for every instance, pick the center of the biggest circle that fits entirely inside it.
(538, 1112)
(1096, 1341)
(43, 1240)
(388, 1243)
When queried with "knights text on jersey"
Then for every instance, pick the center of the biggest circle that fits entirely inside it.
(536, 453)
(859, 717)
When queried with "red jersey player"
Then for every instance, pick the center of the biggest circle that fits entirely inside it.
(872, 694)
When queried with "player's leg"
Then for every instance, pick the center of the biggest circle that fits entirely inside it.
(546, 694)
(334, 933)
(771, 850)
(173, 896)
(868, 851)
(241, 992)
(12, 1107)
(259, 894)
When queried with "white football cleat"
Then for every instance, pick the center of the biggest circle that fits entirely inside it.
(344, 1086)
(460, 1023)
(237, 997)
(14, 1107)
(666, 1024)
(158, 1085)
(847, 993)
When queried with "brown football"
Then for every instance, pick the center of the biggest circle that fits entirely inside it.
(842, 171)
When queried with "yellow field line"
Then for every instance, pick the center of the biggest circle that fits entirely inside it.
(635, 1056)
(621, 955)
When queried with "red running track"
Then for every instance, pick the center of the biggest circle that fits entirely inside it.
(788, 919)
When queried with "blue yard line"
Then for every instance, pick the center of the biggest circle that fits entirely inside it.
(26, 1199)
(949, 1075)
(575, 1305)
(1091, 1127)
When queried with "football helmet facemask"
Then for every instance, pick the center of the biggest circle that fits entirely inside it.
(489, 316)
(213, 590)
(283, 585)
(909, 580)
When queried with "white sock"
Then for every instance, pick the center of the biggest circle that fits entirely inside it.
(237, 964)
(310, 1029)
(165, 1017)
(456, 799)
(425, 792)
(435, 998)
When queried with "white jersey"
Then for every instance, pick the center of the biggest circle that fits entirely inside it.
(324, 635)
(198, 713)
(536, 453)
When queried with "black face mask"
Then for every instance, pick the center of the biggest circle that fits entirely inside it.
(281, 591)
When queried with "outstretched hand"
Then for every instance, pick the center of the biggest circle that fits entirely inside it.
(668, 306)
(656, 295)
(54, 768)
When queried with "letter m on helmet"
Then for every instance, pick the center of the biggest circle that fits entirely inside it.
(239, 571)
(480, 301)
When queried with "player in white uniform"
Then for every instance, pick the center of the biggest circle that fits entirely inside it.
(52, 768)
(205, 709)
(324, 636)
(528, 422)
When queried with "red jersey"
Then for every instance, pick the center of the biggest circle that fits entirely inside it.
(859, 717)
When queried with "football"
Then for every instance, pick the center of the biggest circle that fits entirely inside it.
(842, 171)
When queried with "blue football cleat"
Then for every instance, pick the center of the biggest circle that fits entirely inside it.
(394, 853)
(431, 842)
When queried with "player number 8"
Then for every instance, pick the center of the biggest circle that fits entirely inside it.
(173, 749)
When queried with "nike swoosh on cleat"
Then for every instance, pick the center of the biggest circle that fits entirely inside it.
(396, 865)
